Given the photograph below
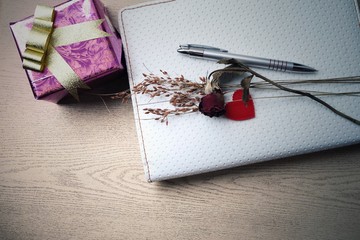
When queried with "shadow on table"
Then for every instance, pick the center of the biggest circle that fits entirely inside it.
(115, 83)
(313, 161)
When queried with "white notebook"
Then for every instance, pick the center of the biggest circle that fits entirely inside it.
(323, 34)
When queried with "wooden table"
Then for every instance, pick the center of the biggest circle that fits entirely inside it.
(74, 172)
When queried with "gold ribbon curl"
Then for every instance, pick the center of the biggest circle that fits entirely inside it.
(48, 55)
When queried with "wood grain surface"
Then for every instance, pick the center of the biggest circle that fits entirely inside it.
(73, 171)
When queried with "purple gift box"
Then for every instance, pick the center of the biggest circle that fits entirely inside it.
(93, 60)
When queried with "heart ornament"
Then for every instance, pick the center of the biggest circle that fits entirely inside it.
(239, 110)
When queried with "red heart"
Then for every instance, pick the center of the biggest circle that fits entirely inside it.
(237, 109)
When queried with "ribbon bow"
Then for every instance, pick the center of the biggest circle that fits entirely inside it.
(39, 38)
(43, 38)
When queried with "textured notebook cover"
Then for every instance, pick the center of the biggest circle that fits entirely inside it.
(324, 34)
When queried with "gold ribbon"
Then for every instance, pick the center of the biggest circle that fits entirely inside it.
(47, 54)
(39, 38)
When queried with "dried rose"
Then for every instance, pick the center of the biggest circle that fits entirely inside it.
(212, 104)
(211, 86)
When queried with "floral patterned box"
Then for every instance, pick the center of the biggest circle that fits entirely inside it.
(92, 61)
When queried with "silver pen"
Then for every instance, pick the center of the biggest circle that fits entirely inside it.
(209, 52)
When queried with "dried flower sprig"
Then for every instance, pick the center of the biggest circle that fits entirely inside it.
(123, 95)
(165, 85)
(205, 96)
(164, 113)
(182, 93)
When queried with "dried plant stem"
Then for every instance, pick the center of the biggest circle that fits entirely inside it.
(237, 66)
(306, 94)
(165, 113)
(269, 87)
(170, 115)
(345, 80)
(296, 95)
(124, 95)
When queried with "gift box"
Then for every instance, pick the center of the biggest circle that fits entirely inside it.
(84, 50)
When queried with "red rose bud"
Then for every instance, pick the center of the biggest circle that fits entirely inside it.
(212, 104)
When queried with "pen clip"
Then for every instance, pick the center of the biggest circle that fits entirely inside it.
(187, 46)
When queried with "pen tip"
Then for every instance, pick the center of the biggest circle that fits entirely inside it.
(181, 50)
(303, 68)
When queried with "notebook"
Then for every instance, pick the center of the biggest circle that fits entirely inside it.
(323, 34)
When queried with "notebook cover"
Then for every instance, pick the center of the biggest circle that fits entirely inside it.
(324, 34)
